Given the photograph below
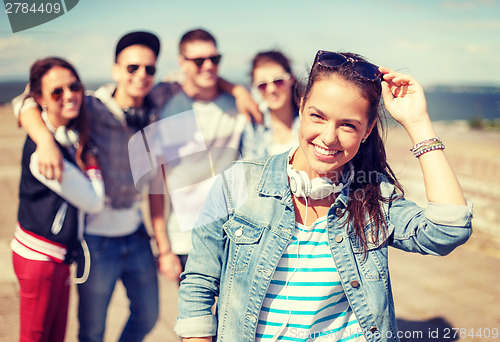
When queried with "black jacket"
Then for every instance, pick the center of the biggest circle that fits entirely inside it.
(38, 206)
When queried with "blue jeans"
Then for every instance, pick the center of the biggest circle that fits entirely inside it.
(130, 259)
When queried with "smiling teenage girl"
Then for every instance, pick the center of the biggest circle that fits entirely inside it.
(295, 247)
(50, 217)
(273, 78)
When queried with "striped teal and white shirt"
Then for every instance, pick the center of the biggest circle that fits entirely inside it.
(305, 300)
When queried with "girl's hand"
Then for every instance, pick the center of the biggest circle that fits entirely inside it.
(246, 104)
(404, 98)
(50, 159)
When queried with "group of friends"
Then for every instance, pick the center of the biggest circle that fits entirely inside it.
(290, 236)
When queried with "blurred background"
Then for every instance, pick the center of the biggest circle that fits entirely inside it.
(451, 47)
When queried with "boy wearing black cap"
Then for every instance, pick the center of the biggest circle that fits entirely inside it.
(118, 241)
(138, 38)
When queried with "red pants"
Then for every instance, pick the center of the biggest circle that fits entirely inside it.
(44, 297)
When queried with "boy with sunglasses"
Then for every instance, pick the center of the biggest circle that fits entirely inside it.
(221, 127)
(118, 242)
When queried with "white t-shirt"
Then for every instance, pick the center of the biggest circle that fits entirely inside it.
(211, 144)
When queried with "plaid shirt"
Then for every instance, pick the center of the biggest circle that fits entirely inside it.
(111, 134)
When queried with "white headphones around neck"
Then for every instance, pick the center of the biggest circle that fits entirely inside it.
(317, 188)
(64, 136)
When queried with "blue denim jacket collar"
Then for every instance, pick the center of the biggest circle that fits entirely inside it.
(273, 182)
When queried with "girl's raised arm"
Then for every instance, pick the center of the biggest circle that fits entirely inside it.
(405, 100)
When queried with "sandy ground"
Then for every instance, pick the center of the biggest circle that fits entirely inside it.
(434, 296)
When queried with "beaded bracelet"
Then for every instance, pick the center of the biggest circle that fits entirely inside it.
(427, 146)
(425, 142)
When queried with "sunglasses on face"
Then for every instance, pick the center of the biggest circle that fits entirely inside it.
(278, 82)
(333, 60)
(199, 61)
(58, 93)
(150, 69)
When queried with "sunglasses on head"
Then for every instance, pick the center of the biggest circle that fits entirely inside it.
(150, 69)
(278, 82)
(333, 60)
(199, 61)
(58, 93)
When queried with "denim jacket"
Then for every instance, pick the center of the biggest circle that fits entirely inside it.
(257, 140)
(248, 221)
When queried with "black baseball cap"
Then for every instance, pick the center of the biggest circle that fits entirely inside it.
(139, 37)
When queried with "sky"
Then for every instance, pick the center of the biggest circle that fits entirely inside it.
(439, 42)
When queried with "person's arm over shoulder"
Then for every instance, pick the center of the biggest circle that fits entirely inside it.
(84, 191)
(244, 101)
(162, 93)
(29, 117)
(21, 103)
